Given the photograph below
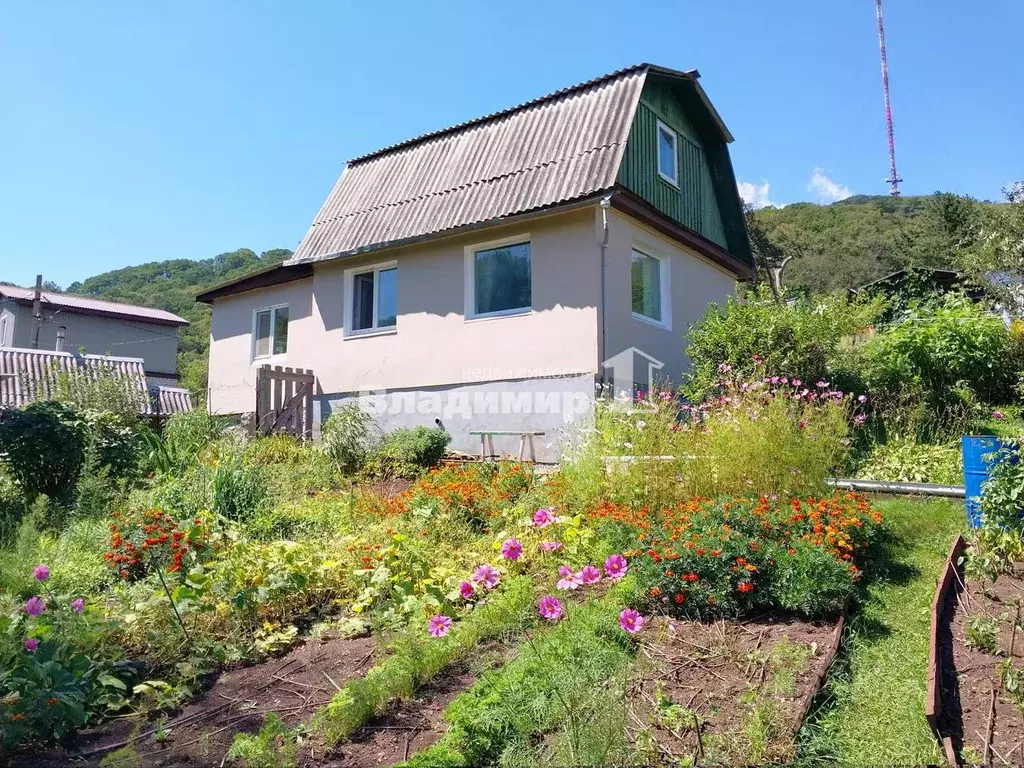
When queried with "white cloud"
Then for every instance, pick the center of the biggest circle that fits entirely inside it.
(755, 195)
(827, 190)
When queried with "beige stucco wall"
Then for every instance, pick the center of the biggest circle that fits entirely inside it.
(434, 344)
(156, 344)
(695, 283)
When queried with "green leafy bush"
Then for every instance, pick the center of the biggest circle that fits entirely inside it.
(347, 436)
(184, 437)
(407, 451)
(939, 350)
(1002, 495)
(43, 446)
(758, 335)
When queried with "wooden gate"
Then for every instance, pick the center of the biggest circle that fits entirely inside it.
(284, 401)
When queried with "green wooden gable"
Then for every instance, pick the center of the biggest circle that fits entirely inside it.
(706, 199)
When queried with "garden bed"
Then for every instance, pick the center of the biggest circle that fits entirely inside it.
(408, 726)
(729, 692)
(292, 687)
(979, 661)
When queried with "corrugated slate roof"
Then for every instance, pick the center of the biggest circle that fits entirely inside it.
(557, 149)
(93, 306)
(31, 374)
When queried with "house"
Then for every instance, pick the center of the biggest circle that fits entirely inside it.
(85, 334)
(487, 275)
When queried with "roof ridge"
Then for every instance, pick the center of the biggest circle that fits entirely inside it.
(500, 113)
(472, 183)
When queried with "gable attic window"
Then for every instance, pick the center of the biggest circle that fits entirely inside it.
(499, 278)
(668, 163)
(270, 332)
(372, 294)
(649, 284)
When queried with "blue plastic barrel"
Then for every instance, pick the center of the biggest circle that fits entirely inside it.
(981, 453)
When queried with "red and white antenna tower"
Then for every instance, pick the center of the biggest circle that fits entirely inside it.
(894, 180)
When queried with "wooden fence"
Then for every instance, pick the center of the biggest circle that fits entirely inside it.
(284, 401)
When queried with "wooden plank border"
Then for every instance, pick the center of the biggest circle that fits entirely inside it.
(821, 673)
(933, 700)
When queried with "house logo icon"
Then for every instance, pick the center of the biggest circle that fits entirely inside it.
(631, 368)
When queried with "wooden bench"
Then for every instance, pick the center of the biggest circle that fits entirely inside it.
(487, 440)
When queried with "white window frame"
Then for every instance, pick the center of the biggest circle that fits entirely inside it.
(664, 260)
(470, 268)
(3, 329)
(272, 309)
(674, 179)
(350, 303)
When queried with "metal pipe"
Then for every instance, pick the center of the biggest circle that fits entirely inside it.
(606, 203)
(891, 486)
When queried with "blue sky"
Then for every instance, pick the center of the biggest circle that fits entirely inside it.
(140, 131)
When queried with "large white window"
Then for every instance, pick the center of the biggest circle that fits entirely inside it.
(270, 332)
(649, 281)
(668, 163)
(372, 296)
(499, 278)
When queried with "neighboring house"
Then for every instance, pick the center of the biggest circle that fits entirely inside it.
(79, 333)
(489, 274)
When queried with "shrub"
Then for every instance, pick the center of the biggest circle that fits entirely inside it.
(43, 446)
(794, 339)
(101, 389)
(939, 350)
(185, 435)
(115, 441)
(347, 436)
(407, 451)
(1002, 495)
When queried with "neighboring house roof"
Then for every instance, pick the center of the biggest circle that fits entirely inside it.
(31, 374)
(86, 306)
(561, 148)
(945, 277)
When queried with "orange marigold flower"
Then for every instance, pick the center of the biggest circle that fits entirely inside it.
(745, 586)
(680, 598)
(655, 591)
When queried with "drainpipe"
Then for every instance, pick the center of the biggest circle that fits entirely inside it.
(606, 203)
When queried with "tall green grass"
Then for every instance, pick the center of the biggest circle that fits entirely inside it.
(874, 713)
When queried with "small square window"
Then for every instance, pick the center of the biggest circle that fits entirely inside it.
(374, 295)
(668, 167)
(648, 284)
(500, 280)
(270, 332)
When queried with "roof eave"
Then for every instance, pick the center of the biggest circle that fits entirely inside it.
(278, 274)
(629, 203)
(555, 208)
(693, 76)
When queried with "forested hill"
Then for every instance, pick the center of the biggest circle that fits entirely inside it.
(173, 285)
(854, 241)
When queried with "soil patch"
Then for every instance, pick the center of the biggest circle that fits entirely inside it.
(407, 727)
(292, 686)
(728, 692)
(978, 710)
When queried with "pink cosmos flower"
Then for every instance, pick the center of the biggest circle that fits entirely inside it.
(859, 419)
(35, 606)
(550, 546)
(796, 382)
(998, 415)
(550, 607)
(862, 399)
(822, 384)
(615, 567)
(41, 572)
(487, 576)
(590, 575)
(569, 579)
(31, 644)
(78, 604)
(631, 621)
(512, 549)
(439, 626)
(466, 590)
(543, 517)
